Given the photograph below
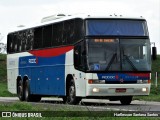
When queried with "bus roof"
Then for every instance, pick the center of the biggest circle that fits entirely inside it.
(61, 17)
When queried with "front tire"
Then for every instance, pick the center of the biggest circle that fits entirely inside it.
(71, 98)
(126, 100)
(29, 97)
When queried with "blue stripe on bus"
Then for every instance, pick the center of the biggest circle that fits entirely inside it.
(47, 75)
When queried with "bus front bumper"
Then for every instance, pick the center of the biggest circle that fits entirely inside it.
(117, 89)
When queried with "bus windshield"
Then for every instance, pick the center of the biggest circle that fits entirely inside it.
(111, 27)
(118, 55)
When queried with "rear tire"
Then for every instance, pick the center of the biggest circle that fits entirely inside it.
(71, 97)
(29, 97)
(126, 100)
(20, 92)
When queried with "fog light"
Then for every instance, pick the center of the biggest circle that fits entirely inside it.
(95, 90)
(144, 89)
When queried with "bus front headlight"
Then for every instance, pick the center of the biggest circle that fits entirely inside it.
(95, 90)
(144, 89)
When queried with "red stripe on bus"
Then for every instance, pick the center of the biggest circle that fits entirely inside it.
(140, 74)
(50, 52)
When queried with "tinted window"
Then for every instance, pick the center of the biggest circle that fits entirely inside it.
(15, 43)
(30, 39)
(80, 56)
(47, 36)
(25, 39)
(116, 27)
(69, 32)
(63, 33)
(10, 43)
(57, 34)
(79, 30)
(38, 43)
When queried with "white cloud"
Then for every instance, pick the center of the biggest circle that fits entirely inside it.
(15, 3)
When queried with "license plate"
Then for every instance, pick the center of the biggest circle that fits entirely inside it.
(120, 90)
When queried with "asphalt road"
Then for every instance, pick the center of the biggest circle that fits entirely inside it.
(95, 104)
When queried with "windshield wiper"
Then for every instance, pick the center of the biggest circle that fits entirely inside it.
(130, 62)
(111, 61)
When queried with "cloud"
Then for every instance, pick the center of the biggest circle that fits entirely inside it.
(15, 3)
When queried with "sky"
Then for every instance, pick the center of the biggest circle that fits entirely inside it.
(30, 12)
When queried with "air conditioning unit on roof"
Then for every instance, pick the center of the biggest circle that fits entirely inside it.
(52, 17)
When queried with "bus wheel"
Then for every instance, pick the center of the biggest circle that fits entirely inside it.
(29, 97)
(71, 97)
(126, 100)
(20, 91)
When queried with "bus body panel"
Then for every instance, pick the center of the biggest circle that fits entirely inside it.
(13, 70)
(116, 81)
(110, 89)
(123, 77)
(46, 75)
(78, 76)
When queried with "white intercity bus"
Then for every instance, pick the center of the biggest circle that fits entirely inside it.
(80, 56)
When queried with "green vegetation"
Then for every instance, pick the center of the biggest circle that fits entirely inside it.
(3, 77)
(156, 68)
(3, 90)
(3, 70)
(154, 95)
(49, 109)
(19, 106)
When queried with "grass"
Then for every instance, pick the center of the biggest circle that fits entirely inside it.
(3, 70)
(24, 107)
(3, 90)
(156, 68)
(3, 77)
(18, 106)
(154, 95)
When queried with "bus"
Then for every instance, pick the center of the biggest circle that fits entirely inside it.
(75, 57)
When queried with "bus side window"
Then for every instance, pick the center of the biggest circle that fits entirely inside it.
(68, 32)
(47, 36)
(38, 38)
(10, 43)
(57, 34)
(21, 37)
(29, 38)
(79, 30)
(77, 54)
(15, 42)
